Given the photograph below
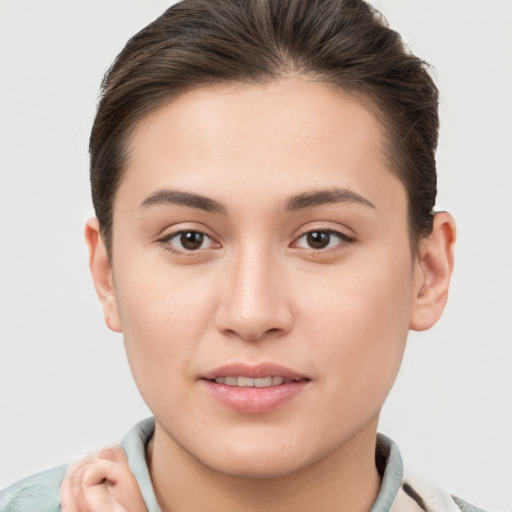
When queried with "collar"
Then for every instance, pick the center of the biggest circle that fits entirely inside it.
(134, 444)
(389, 461)
(397, 493)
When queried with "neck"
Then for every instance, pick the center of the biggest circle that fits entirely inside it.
(344, 480)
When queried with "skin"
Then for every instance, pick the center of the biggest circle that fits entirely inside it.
(101, 482)
(257, 291)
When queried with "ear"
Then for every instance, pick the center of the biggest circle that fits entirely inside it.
(101, 271)
(433, 272)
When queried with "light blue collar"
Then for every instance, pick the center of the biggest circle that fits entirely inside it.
(134, 444)
(136, 440)
(393, 474)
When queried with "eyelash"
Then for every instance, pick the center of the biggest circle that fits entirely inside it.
(166, 241)
(343, 240)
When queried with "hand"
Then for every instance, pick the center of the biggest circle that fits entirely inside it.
(101, 483)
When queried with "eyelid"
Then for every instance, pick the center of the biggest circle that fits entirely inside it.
(182, 227)
(172, 231)
(165, 238)
(344, 239)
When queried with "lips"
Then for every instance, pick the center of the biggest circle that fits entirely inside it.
(260, 371)
(248, 382)
(254, 389)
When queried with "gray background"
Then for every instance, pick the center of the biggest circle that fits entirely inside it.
(65, 388)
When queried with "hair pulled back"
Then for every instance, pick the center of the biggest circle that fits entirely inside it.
(346, 43)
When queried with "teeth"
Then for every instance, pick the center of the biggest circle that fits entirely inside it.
(248, 382)
(245, 382)
(263, 383)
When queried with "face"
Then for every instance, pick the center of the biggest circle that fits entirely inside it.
(262, 273)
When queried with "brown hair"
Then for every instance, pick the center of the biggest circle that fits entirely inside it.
(346, 43)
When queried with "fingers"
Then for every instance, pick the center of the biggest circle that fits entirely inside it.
(86, 487)
(115, 453)
(101, 483)
(67, 497)
(124, 487)
(98, 472)
(88, 499)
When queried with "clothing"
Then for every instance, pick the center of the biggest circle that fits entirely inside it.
(398, 493)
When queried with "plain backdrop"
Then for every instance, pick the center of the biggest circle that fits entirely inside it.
(65, 386)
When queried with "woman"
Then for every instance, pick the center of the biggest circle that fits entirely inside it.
(264, 181)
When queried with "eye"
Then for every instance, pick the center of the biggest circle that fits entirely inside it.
(187, 241)
(321, 239)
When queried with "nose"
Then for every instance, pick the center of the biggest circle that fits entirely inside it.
(254, 301)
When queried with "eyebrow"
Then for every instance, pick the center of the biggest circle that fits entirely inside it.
(298, 202)
(321, 197)
(176, 197)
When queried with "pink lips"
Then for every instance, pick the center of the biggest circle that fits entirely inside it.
(254, 400)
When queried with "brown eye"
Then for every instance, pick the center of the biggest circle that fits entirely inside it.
(183, 242)
(318, 239)
(321, 239)
(191, 240)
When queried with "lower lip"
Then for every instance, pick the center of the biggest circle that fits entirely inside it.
(251, 400)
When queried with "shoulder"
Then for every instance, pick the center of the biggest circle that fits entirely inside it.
(465, 506)
(430, 497)
(41, 492)
(406, 491)
(37, 493)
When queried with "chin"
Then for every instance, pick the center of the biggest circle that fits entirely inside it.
(257, 469)
(254, 459)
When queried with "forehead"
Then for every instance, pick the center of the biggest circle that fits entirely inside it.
(294, 109)
(286, 137)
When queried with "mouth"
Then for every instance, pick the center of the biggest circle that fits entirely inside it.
(254, 389)
(247, 375)
(248, 382)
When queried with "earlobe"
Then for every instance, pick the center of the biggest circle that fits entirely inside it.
(433, 271)
(101, 272)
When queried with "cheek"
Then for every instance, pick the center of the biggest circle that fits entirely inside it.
(164, 315)
(370, 294)
(358, 327)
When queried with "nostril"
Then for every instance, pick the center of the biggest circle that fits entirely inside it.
(243, 317)
(264, 334)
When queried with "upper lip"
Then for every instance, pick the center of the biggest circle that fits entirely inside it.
(253, 371)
